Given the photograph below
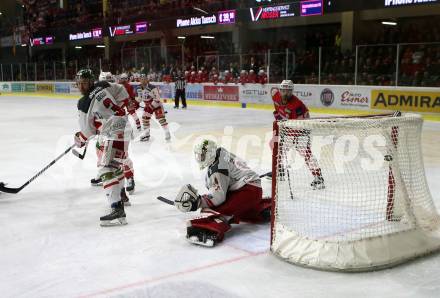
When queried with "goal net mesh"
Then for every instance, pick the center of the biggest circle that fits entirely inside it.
(348, 183)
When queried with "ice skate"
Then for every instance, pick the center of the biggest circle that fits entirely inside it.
(145, 138)
(116, 216)
(318, 183)
(96, 182)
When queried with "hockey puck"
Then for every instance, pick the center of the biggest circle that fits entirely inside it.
(388, 157)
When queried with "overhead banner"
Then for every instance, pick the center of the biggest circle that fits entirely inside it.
(224, 17)
(405, 100)
(40, 41)
(94, 33)
(274, 12)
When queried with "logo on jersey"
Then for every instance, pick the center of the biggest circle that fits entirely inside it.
(327, 97)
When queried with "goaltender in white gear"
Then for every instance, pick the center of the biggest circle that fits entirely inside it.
(234, 195)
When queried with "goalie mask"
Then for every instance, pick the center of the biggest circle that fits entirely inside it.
(286, 90)
(205, 153)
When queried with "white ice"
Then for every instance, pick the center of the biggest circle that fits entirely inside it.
(51, 244)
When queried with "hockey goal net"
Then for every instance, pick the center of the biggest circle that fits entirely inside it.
(350, 193)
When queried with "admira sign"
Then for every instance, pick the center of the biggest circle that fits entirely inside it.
(406, 100)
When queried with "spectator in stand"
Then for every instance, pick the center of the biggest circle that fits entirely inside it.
(193, 77)
(253, 65)
(262, 77)
(214, 79)
(205, 75)
(187, 76)
(199, 77)
(243, 79)
(228, 77)
(252, 77)
(213, 73)
(180, 85)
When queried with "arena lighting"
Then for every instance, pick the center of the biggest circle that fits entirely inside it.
(181, 37)
(389, 23)
(201, 10)
(78, 47)
(207, 37)
(100, 46)
(1, 13)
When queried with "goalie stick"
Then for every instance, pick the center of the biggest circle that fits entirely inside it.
(170, 202)
(3, 187)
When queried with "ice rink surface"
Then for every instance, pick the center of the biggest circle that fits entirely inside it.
(51, 244)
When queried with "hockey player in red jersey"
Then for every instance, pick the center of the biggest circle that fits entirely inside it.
(234, 195)
(131, 105)
(289, 107)
(100, 114)
(149, 94)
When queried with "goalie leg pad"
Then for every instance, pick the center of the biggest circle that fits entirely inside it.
(207, 231)
(245, 204)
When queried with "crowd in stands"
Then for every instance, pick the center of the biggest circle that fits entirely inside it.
(43, 15)
(216, 60)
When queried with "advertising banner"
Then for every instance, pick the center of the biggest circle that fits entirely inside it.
(166, 91)
(17, 87)
(405, 100)
(45, 88)
(5, 87)
(74, 89)
(193, 92)
(221, 93)
(62, 88)
(255, 93)
(29, 87)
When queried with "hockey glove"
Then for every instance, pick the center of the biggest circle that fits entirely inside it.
(80, 139)
(187, 199)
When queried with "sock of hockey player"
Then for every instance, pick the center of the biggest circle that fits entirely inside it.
(130, 185)
(112, 182)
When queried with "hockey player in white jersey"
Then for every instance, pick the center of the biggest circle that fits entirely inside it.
(234, 195)
(149, 94)
(100, 114)
(121, 95)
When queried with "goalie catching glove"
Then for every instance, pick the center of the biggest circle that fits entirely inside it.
(188, 199)
(80, 139)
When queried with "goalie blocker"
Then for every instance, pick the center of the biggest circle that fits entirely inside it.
(234, 195)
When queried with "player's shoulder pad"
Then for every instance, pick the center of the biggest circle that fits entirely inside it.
(84, 104)
(151, 86)
(99, 91)
(216, 167)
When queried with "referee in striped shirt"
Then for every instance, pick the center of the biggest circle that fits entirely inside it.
(180, 85)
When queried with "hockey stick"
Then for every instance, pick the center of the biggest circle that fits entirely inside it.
(268, 174)
(79, 155)
(3, 188)
(165, 200)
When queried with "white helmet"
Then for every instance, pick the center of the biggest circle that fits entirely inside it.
(205, 152)
(123, 76)
(286, 85)
(106, 76)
